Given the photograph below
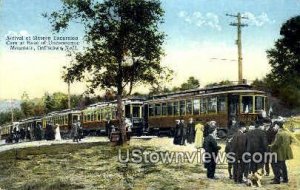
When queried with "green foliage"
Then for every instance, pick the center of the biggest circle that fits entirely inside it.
(284, 58)
(222, 83)
(124, 45)
(191, 83)
(5, 117)
(27, 105)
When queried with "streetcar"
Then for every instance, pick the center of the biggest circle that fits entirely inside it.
(221, 104)
(64, 119)
(96, 116)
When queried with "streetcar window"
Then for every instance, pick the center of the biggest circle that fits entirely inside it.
(182, 107)
(127, 111)
(196, 107)
(170, 108)
(109, 113)
(176, 108)
(247, 104)
(98, 116)
(259, 103)
(158, 109)
(212, 105)
(114, 113)
(135, 111)
(164, 108)
(89, 117)
(103, 114)
(189, 107)
(151, 110)
(221, 104)
(203, 105)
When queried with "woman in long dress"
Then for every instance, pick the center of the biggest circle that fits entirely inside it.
(199, 135)
(57, 133)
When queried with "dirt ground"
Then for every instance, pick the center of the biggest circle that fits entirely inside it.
(95, 165)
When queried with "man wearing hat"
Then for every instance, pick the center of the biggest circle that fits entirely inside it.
(239, 148)
(211, 151)
(257, 146)
(282, 147)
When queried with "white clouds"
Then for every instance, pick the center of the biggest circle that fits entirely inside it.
(201, 20)
(258, 20)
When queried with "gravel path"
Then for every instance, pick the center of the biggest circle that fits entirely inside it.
(5, 147)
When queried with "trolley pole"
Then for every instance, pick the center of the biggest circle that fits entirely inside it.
(239, 26)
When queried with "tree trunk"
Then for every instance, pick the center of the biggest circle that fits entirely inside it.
(120, 118)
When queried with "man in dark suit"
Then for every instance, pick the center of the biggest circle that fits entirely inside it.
(282, 147)
(211, 150)
(233, 127)
(230, 162)
(239, 148)
(190, 131)
(177, 133)
(257, 146)
(271, 133)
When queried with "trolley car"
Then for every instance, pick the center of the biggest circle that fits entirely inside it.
(220, 104)
(96, 116)
(64, 119)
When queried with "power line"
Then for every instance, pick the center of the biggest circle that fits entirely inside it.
(222, 59)
(239, 26)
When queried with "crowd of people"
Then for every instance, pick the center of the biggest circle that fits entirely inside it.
(252, 147)
(250, 150)
(36, 133)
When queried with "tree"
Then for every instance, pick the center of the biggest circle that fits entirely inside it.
(124, 45)
(48, 103)
(221, 83)
(191, 83)
(5, 117)
(284, 59)
(27, 106)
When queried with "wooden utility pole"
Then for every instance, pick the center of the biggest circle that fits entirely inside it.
(11, 110)
(239, 26)
(69, 95)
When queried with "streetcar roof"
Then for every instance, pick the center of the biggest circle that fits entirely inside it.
(203, 94)
(114, 103)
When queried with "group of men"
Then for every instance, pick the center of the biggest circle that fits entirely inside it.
(184, 133)
(250, 150)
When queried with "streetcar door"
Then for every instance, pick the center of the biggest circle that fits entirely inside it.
(233, 106)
